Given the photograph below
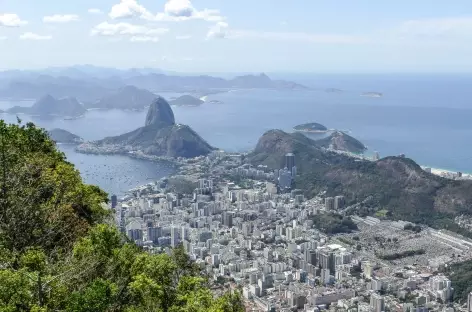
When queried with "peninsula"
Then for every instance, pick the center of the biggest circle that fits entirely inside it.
(64, 136)
(160, 136)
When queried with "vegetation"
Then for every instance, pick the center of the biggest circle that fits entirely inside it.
(400, 255)
(57, 252)
(460, 275)
(332, 223)
(410, 227)
(396, 184)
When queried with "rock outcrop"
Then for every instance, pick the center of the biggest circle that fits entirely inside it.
(160, 136)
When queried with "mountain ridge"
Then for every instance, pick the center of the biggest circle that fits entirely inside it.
(396, 184)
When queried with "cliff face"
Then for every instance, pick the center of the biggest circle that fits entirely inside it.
(160, 113)
(160, 136)
(393, 183)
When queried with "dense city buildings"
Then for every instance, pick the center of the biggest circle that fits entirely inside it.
(251, 228)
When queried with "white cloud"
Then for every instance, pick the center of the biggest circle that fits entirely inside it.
(58, 18)
(174, 11)
(184, 37)
(218, 31)
(179, 8)
(11, 20)
(129, 8)
(144, 39)
(3, 38)
(33, 36)
(136, 33)
(95, 11)
(297, 36)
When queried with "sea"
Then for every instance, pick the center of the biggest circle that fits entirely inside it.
(424, 116)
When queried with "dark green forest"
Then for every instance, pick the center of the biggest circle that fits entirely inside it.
(60, 252)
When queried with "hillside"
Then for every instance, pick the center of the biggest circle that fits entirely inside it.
(160, 136)
(341, 141)
(64, 136)
(128, 97)
(60, 253)
(393, 183)
(50, 106)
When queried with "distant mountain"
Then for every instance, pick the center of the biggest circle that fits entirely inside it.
(128, 97)
(59, 87)
(90, 85)
(396, 184)
(50, 106)
(186, 100)
(64, 136)
(160, 136)
(341, 141)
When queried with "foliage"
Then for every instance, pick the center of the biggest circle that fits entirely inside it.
(57, 252)
(410, 227)
(403, 254)
(460, 275)
(332, 223)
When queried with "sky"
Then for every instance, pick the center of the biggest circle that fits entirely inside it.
(313, 36)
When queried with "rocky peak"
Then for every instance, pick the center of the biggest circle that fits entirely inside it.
(160, 113)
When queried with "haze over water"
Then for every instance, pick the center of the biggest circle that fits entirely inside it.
(427, 117)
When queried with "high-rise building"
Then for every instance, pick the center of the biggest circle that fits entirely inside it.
(289, 161)
(329, 203)
(174, 236)
(377, 303)
(227, 218)
(339, 202)
(469, 302)
(114, 201)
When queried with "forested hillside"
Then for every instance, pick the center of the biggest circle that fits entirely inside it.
(58, 251)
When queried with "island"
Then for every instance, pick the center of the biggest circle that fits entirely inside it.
(50, 106)
(64, 136)
(186, 100)
(312, 127)
(372, 94)
(334, 90)
(128, 97)
(159, 137)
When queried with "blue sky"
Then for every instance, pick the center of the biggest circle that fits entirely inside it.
(349, 36)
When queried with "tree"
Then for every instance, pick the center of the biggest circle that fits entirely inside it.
(59, 253)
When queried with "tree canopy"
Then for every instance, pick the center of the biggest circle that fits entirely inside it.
(59, 252)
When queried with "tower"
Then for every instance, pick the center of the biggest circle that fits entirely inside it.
(289, 161)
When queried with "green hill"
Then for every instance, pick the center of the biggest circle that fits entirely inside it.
(58, 251)
(396, 184)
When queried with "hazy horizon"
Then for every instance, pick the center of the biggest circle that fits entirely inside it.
(215, 36)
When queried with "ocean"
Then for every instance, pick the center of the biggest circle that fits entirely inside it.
(426, 117)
